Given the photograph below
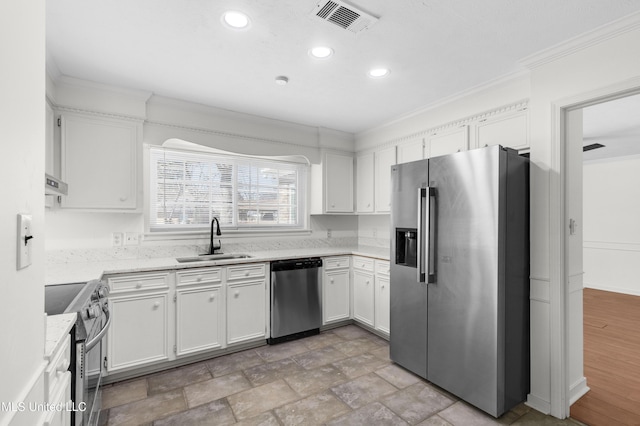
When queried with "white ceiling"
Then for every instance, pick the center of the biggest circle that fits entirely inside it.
(435, 49)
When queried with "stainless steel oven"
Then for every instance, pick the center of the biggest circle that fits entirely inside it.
(90, 302)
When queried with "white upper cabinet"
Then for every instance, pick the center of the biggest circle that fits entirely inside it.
(99, 161)
(385, 158)
(443, 142)
(332, 185)
(509, 129)
(365, 183)
(411, 151)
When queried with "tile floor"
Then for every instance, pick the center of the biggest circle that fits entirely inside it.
(340, 377)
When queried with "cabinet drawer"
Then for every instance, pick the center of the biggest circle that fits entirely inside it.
(241, 272)
(363, 263)
(138, 282)
(58, 367)
(383, 267)
(340, 262)
(199, 276)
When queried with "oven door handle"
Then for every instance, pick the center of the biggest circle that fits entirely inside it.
(91, 343)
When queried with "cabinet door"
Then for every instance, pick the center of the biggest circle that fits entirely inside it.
(411, 151)
(99, 162)
(198, 319)
(138, 334)
(382, 303)
(335, 306)
(338, 183)
(384, 160)
(246, 318)
(509, 130)
(363, 297)
(365, 182)
(448, 141)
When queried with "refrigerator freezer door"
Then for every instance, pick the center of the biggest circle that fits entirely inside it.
(464, 332)
(408, 333)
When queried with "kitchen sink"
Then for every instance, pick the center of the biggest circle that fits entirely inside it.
(206, 257)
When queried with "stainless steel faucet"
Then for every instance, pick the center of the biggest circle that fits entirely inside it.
(212, 247)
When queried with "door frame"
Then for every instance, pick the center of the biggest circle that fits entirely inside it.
(560, 311)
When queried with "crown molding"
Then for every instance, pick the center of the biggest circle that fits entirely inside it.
(583, 41)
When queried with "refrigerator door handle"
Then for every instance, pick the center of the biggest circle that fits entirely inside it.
(430, 254)
(422, 196)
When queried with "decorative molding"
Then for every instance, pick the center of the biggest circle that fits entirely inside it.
(520, 105)
(583, 41)
(488, 85)
(132, 118)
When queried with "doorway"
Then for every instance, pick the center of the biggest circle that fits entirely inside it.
(601, 204)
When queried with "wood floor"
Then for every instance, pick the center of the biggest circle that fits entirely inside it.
(611, 360)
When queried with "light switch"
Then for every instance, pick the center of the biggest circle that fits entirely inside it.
(24, 240)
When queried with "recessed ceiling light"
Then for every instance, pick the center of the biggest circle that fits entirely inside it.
(379, 72)
(321, 52)
(281, 80)
(236, 20)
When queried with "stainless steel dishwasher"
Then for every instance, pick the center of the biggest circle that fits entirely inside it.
(296, 299)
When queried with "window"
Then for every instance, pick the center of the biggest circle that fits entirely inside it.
(189, 189)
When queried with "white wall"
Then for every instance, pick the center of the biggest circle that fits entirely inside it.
(611, 226)
(22, 110)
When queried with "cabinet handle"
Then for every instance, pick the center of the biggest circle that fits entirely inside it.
(138, 284)
(382, 286)
(212, 297)
(199, 278)
(156, 305)
(123, 198)
(331, 280)
(333, 205)
(367, 282)
(246, 274)
(338, 264)
(236, 294)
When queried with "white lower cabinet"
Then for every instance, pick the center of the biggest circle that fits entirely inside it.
(139, 331)
(382, 298)
(363, 291)
(199, 311)
(246, 303)
(336, 289)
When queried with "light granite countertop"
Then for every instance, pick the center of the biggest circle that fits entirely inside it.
(82, 271)
(58, 326)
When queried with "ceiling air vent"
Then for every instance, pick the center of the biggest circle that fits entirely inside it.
(343, 15)
(592, 146)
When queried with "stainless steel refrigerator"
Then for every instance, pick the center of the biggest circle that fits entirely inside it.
(460, 274)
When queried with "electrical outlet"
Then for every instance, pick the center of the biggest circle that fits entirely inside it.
(328, 233)
(130, 238)
(116, 239)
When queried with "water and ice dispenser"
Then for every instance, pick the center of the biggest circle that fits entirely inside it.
(407, 246)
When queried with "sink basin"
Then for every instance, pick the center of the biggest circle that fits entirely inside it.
(205, 257)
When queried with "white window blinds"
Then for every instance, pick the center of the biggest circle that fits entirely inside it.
(189, 189)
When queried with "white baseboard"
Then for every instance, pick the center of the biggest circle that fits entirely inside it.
(538, 404)
(577, 390)
(614, 289)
